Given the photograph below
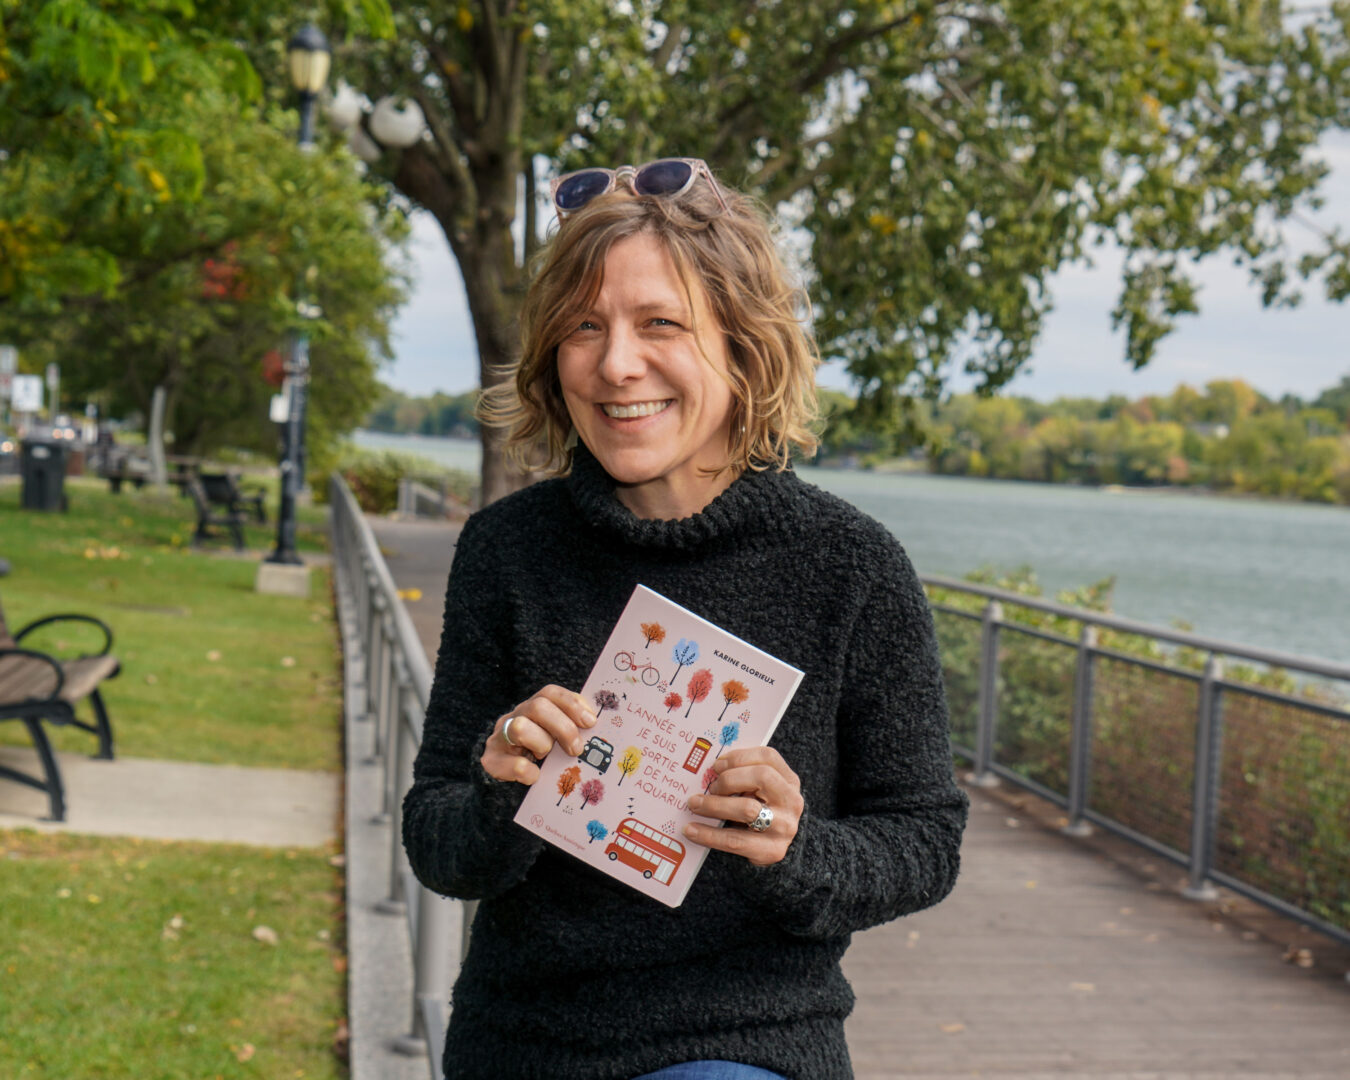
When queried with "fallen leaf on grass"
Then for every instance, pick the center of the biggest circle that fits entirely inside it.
(266, 935)
(288, 661)
(152, 679)
(245, 1052)
(339, 964)
(213, 654)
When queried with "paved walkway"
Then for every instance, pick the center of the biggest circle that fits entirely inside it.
(175, 800)
(1052, 957)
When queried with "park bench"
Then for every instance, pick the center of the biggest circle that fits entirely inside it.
(38, 687)
(211, 516)
(119, 466)
(224, 489)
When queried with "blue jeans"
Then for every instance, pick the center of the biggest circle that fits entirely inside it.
(711, 1070)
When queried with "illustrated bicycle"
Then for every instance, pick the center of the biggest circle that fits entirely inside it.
(625, 661)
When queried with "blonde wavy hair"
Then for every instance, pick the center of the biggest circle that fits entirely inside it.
(732, 256)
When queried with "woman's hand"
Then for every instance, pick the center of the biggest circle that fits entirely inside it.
(747, 781)
(553, 715)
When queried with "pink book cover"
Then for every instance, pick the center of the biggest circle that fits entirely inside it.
(672, 692)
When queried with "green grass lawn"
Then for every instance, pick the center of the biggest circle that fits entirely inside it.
(124, 959)
(211, 671)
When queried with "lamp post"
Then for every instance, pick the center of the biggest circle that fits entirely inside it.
(309, 58)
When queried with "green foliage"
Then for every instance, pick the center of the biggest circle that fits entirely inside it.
(374, 476)
(182, 234)
(439, 414)
(944, 158)
(1226, 437)
(1285, 773)
(150, 945)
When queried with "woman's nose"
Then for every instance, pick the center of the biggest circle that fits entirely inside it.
(622, 360)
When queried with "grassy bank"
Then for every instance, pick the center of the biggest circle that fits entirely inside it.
(145, 960)
(211, 671)
(138, 959)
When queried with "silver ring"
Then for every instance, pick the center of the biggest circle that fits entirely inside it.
(506, 731)
(763, 820)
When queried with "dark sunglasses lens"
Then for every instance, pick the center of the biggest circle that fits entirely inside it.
(663, 177)
(580, 188)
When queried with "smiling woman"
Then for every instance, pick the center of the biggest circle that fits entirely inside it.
(666, 376)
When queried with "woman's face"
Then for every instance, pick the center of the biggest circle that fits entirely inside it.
(647, 392)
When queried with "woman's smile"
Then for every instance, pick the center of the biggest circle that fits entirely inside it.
(635, 410)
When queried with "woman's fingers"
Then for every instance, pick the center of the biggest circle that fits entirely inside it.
(553, 715)
(747, 781)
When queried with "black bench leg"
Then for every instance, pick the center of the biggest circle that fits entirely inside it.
(237, 531)
(105, 735)
(56, 792)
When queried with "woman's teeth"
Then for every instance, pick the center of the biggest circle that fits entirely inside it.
(628, 412)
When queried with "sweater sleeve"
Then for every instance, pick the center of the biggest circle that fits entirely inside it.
(893, 845)
(457, 826)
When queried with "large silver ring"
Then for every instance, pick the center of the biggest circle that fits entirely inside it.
(506, 731)
(762, 820)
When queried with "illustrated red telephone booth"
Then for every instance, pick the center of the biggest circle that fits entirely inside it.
(697, 754)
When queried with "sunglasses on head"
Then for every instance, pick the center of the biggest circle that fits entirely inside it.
(668, 176)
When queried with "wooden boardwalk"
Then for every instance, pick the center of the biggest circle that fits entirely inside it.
(1053, 957)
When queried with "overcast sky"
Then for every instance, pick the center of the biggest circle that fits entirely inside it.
(1300, 351)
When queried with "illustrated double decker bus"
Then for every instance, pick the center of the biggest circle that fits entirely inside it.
(646, 850)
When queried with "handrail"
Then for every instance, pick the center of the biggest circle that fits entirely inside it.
(394, 678)
(1214, 805)
(1330, 669)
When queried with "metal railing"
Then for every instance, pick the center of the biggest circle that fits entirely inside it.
(1150, 736)
(393, 683)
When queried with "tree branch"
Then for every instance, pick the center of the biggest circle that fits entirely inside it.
(661, 56)
(459, 95)
(449, 152)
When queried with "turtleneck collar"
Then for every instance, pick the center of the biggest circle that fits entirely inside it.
(753, 504)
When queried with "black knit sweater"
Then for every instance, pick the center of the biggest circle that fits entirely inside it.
(573, 976)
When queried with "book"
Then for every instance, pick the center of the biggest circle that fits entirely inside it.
(671, 692)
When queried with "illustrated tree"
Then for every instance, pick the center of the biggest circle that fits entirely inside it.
(605, 699)
(733, 693)
(673, 701)
(567, 782)
(592, 791)
(653, 631)
(700, 685)
(597, 830)
(628, 762)
(731, 731)
(709, 775)
(684, 653)
(945, 158)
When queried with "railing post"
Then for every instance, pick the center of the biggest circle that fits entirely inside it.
(374, 641)
(1080, 739)
(433, 966)
(1205, 797)
(984, 729)
(400, 744)
(386, 705)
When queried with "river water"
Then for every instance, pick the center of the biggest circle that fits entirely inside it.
(1249, 571)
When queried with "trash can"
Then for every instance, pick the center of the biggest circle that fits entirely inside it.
(42, 464)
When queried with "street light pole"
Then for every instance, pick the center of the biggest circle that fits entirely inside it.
(309, 57)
